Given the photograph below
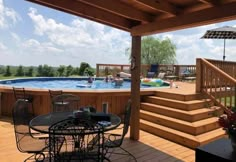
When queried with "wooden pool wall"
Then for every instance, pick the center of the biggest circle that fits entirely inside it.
(116, 99)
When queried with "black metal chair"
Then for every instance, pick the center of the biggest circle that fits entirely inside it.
(54, 93)
(65, 102)
(113, 141)
(20, 93)
(82, 140)
(25, 141)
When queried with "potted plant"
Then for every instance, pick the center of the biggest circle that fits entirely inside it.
(228, 122)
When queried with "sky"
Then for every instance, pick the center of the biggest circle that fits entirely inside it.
(32, 35)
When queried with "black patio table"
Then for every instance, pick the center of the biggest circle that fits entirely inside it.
(42, 123)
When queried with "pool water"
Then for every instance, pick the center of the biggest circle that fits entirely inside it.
(67, 83)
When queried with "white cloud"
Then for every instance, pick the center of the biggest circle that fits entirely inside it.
(82, 38)
(8, 16)
(38, 48)
(2, 47)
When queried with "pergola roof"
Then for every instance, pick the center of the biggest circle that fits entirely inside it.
(143, 17)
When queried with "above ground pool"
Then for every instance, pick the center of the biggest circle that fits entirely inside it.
(68, 83)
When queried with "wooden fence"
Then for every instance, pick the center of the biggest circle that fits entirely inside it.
(113, 69)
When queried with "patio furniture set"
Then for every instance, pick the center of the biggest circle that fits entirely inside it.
(68, 133)
(168, 73)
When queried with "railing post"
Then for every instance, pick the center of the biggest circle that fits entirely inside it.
(198, 75)
(177, 71)
(97, 70)
(121, 68)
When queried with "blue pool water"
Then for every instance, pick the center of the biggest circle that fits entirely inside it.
(66, 83)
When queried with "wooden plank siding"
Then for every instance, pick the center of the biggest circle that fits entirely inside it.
(116, 99)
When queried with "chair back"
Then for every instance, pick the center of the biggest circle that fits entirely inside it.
(65, 102)
(82, 140)
(19, 93)
(21, 119)
(54, 93)
(126, 119)
(154, 68)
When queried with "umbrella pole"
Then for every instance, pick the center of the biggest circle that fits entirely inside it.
(224, 51)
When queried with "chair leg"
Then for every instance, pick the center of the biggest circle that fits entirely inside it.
(38, 157)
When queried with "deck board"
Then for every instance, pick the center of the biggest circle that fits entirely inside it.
(149, 148)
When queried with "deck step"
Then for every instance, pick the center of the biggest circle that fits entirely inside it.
(181, 97)
(179, 136)
(191, 116)
(194, 128)
(183, 105)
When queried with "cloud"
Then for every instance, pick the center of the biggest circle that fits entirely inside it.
(37, 48)
(2, 46)
(82, 38)
(8, 16)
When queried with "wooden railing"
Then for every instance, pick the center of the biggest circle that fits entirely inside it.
(228, 67)
(112, 69)
(216, 83)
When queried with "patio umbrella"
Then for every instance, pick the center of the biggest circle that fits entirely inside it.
(226, 32)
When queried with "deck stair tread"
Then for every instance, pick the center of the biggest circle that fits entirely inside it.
(194, 124)
(182, 97)
(199, 123)
(178, 101)
(184, 105)
(179, 136)
(191, 112)
(207, 135)
(187, 115)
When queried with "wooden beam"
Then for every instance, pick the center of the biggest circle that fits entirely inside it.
(216, 2)
(196, 8)
(119, 8)
(210, 15)
(87, 11)
(135, 87)
(160, 5)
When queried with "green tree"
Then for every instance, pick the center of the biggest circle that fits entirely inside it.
(83, 66)
(40, 70)
(89, 71)
(30, 71)
(46, 71)
(76, 71)
(20, 71)
(69, 70)
(154, 50)
(2, 70)
(61, 70)
(7, 71)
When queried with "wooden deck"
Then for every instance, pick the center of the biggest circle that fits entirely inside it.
(149, 148)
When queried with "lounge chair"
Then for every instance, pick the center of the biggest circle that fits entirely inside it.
(153, 71)
(125, 75)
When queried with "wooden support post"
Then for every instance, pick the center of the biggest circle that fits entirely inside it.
(97, 68)
(135, 86)
(198, 75)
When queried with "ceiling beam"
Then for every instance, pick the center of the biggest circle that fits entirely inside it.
(211, 2)
(88, 12)
(210, 15)
(160, 5)
(216, 2)
(119, 8)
